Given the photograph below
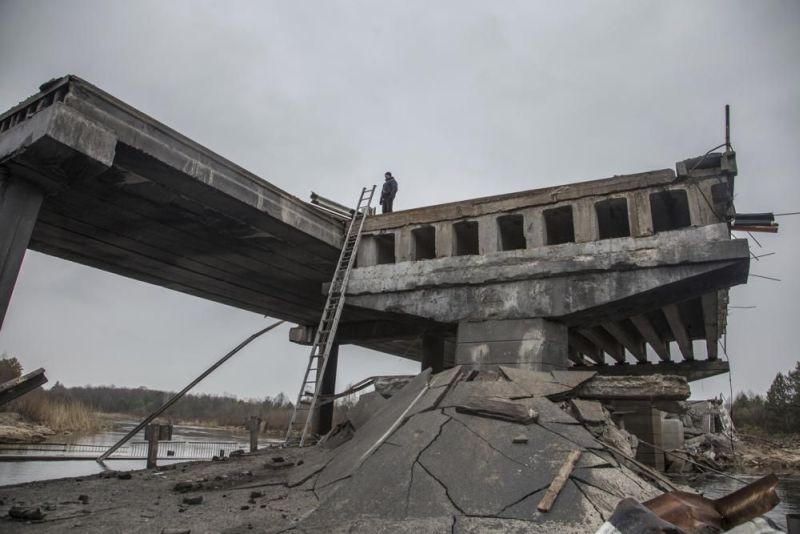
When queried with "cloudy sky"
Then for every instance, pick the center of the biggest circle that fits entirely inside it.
(458, 99)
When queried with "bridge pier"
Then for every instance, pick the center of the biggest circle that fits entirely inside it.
(432, 353)
(536, 344)
(322, 420)
(19, 207)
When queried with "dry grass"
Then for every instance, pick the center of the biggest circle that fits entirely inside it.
(56, 412)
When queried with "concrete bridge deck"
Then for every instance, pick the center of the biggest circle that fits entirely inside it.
(604, 271)
(90, 179)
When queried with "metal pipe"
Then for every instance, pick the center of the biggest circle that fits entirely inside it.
(183, 392)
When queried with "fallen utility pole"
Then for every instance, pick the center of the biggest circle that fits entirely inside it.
(175, 398)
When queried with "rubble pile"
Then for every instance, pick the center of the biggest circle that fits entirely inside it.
(474, 450)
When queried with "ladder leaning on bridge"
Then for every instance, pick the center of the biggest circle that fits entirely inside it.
(326, 332)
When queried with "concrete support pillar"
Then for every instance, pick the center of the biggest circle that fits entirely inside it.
(367, 254)
(432, 353)
(488, 235)
(403, 245)
(585, 221)
(323, 419)
(19, 208)
(536, 344)
(644, 422)
(444, 239)
(641, 216)
(535, 231)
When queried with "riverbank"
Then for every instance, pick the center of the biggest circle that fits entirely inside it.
(755, 455)
(14, 428)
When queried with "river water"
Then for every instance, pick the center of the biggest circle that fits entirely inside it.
(712, 486)
(28, 471)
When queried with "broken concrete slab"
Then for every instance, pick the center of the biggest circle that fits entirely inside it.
(350, 455)
(381, 486)
(571, 378)
(549, 412)
(536, 383)
(501, 389)
(492, 482)
(368, 405)
(588, 411)
(389, 385)
(504, 410)
(445, 378)
(571, 512)
(651, 387)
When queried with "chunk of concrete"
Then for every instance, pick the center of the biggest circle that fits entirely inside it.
(445, 378)
(505, 410)
(381, 486)
(649, 387)
(368, 405)
(588, 411)
(501, 389)
(536, 383)
(377, 429)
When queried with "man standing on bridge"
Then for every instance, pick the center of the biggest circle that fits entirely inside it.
(388, 192)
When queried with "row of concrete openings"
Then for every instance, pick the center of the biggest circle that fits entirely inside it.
(669, 209)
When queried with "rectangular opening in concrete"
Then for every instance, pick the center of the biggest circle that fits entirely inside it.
(466, 238)
(612, 218)
(559, 225)
(424, 243)
(385, 248)
(670, 210)
(512, 232)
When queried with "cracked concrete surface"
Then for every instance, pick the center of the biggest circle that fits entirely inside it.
(414, 465)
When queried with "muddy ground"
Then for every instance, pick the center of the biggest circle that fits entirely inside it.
(240, 494)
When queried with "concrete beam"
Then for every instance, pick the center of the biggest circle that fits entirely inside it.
(628, 337)
(19, 206)
(646, 329)
(711, 323)
(587, 348)
(673, 315)
(364, 331)
(605, 341)
(691, 370)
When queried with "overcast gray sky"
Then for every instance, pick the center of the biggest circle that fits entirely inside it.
(458, 99)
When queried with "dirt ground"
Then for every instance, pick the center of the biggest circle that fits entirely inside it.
(241, 494)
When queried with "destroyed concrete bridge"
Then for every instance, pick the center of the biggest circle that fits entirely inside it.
(625, 275)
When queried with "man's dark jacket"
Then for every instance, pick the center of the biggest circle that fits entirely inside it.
(389, 189)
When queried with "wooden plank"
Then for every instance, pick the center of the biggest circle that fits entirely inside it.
(16, 387)
(558, 481)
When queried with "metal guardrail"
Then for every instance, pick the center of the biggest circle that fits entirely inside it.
(167, 450)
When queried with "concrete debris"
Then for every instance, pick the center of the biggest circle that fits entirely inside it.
(389, 385)
(515, 412)
(470, 459)
(660, 387)
(368, 404)
(589, 412)
(26, 513)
